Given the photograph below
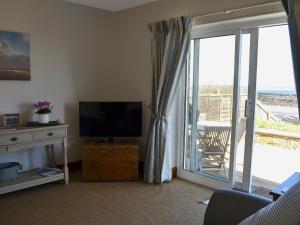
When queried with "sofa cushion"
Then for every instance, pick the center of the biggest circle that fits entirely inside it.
(285, 211)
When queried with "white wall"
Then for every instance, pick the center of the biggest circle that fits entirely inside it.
(72, 59)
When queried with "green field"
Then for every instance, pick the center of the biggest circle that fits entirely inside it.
(278, 125)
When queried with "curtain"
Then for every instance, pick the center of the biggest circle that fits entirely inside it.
(292, 8)
(170, 41)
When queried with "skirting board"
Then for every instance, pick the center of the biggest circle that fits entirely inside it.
(77, 165)
(174, 172)
(141, 170)
(73, 166)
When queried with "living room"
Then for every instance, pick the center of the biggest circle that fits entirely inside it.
(103, 52)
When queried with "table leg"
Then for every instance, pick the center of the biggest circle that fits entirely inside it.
(66, 169)
(53, 161)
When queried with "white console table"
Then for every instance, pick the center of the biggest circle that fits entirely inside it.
(30, 137)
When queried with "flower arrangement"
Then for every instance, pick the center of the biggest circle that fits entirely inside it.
(43, 107)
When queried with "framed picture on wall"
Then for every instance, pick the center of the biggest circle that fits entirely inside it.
(14, 56)
(12, 119)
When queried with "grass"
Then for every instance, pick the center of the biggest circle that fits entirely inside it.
(280, 125)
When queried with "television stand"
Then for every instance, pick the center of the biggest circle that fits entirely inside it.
(109, 161)
(115, 140)
(101, 141)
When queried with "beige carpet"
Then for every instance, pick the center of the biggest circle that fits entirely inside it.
(82, 203)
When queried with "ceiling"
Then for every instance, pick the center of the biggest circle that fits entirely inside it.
(112, 5)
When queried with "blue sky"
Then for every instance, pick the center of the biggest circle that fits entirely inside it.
(274, 69)
(17, 42)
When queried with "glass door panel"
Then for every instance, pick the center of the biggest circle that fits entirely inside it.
(214, 112)
(210, 89)
(276, 150)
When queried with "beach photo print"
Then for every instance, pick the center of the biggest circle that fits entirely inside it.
(14, 56)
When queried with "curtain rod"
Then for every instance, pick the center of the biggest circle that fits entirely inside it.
(229, 11)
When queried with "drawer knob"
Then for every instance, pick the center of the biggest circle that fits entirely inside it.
(50, 134)
(13, 139)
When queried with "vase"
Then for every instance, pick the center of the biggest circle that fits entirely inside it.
(33, 116)
(44, 118)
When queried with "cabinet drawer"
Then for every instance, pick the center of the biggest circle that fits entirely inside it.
(11, 139)
(45, 134)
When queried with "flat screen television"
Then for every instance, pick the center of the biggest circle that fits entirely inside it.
(110, 119)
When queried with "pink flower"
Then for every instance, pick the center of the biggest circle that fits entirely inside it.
(43, 107)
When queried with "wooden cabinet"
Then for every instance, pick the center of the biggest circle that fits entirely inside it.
(110, 161)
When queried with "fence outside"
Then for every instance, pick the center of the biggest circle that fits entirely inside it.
(215, 104)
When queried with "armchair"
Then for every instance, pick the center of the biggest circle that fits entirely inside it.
(228, 207)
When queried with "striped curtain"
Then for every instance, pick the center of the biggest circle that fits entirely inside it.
(292, 8)
(170, 44)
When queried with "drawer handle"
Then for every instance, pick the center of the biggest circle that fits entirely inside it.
(50, 134)
(13, 139)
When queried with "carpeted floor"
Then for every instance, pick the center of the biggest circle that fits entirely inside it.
(81, 203)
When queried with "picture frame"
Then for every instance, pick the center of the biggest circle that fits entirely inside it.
(11, 119)
(14, 56)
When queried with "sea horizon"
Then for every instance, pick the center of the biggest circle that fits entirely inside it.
(277, 90)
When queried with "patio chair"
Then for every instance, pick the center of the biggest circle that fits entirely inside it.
(213, 143)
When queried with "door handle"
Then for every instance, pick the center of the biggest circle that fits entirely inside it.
(246, 107)
(50, 134)
(14, 139)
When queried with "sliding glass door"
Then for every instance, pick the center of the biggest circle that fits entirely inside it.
(241, 123)
(211, 107)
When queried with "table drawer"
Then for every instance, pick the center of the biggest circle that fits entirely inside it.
(11, 139)
(51, 133)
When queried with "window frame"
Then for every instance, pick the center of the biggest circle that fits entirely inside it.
(230, 27)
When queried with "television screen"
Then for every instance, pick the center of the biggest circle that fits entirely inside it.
(110, 119)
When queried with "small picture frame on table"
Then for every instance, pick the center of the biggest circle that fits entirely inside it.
(11, 119)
